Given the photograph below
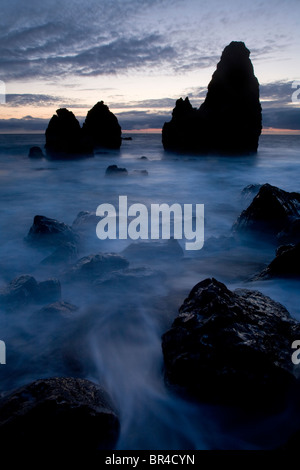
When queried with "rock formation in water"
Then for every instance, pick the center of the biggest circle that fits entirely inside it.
(231, 347)
(58, 414)
(25, 290)
(273, 212)
(102, 128)
(64, 136)
(229, 120)
(50, 232)
(286, 263)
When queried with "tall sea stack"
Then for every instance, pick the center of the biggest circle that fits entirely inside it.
(102, 128)
(229, 121)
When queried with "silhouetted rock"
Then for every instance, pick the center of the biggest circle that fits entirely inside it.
(24, 290)
(126, 138)
(114, 170)
(48, 231)
(58, 414)
(143, 157)
(35, 152)
(64, 136)
(96, 266)
(231, 347)
(229, 120)
(286, 264)
(271, 211)
(102, 128)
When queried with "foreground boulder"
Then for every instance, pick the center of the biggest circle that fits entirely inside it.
(64, 136)
(66, 414)
(231, 347)
(24, 290)
(46, 231)
(271, 211)
(286, 264)
(102, 128)
(91, 267)
(229, 120)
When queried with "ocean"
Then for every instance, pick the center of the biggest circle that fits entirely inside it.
(114, 338)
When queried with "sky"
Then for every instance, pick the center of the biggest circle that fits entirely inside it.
(139, 56)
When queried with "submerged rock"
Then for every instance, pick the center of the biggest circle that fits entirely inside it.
(24, 290)
(54, 414)
(48, 231)
(102, 128)
(286, 264)
(96, 266)
(231, 347)
(114, 170)
(64, 136)
(154, 251)
(58, 309)
(141, 278)
(271, 211)
(84, 221)
(229, 120)
(35, 152)
(64, 254)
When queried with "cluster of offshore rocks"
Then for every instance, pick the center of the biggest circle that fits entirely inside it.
(229, 121)
(65, 137)
(225, 347)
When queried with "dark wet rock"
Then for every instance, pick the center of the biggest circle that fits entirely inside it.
(114, 170)
(231, 347)
(58, 309)
(35, 152)
(46, 231)
(286, 264)
(102, 127)
(229, 120)
(96, 266)
(140, 278)
(154, 251)
(143, 157)
(271, 210)
(24, 290)
(67, 414)
(140, 173)
(64, 136)
(64, 254)
(291, 233)
(251, 190)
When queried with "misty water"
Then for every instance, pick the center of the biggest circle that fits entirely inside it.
(114, 338)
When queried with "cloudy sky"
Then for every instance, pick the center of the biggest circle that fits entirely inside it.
(139, 56)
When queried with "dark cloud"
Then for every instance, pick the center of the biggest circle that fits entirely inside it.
(40, 100)
(27, 124)
(276, 93)
(282, 118)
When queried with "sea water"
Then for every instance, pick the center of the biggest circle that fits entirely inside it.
(114, 338)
